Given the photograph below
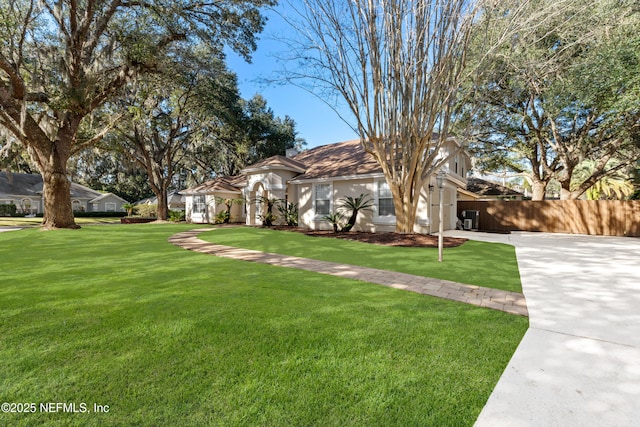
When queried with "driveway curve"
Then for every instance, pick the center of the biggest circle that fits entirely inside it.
(579, 362)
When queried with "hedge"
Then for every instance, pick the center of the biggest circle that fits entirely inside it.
(94, 214)
(8, 210)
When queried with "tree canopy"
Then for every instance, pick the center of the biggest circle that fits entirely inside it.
(61, 61)
(397, 65)
(560, 94)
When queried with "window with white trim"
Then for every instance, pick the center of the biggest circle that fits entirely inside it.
(385, 200)
(199, 204)
(322, 199)
(110, 207)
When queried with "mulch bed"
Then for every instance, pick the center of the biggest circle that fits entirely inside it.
(387, 239)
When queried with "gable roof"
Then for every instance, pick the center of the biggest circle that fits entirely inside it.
(30, 185)
(174, 198)
(107, 196)
(487, 188)
(279, 163)
(20, 184)
(346, 158)
(230, 184)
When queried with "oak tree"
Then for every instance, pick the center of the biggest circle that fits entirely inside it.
(62, 60)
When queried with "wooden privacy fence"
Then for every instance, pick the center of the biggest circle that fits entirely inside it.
(597, 217)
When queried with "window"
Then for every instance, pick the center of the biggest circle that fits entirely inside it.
(323, 199)
(199, 204)
(385, 200)
(110, 207)
(76, 206)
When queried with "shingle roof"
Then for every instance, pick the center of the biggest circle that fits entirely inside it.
(174, 198)
(105, 196)
(487, 188)
(25, 184)
(342, 159)
(20, 184)
(278, 162)
(221, 183)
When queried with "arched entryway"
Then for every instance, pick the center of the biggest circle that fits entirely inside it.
(255, 202)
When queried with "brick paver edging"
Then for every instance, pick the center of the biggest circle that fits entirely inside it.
(510, 302)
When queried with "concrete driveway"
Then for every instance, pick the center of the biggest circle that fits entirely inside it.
(579, 362)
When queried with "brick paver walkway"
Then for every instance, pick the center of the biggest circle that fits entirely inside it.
(510, 302)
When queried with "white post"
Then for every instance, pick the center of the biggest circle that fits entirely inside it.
(430, 209)
(440, 181)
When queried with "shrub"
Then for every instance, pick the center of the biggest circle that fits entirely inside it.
(176, 216)
(268, 219)
(222, 217)
(103, 214)
(335, 219)
(8, 210)
(289, 212)
(147, 210)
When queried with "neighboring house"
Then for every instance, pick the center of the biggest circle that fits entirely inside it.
(487, 190)
(25, 191)
(175, 201)
(318, 179)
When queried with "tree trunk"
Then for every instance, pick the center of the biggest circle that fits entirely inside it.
(405, 208)
(52, 157)
(56, 191)
(538, 190)
(162, 210)
(405, 221)
(565, 193)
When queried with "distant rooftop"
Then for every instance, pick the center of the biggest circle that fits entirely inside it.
(487, 188)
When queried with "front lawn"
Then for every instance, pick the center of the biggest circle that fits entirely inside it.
(491, 265)
(117, 316)
(36, 221)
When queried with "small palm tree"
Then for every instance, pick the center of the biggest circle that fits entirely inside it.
(225, 216)
(354, 205)
(129, 207)
(335, 219)
(269, 217)
(289, 212)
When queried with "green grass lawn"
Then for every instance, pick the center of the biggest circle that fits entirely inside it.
(35, 222)
(475, 263)
(115, 315)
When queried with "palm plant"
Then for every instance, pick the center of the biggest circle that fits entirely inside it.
(225, 216)
(129, 207)
(268, 218)
(613, 185)
(354, 206)
(289, 212)
(335, 219)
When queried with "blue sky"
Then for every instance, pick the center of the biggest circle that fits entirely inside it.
(316, 122)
